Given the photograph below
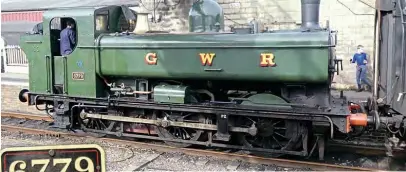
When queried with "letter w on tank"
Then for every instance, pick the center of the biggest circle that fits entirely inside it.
(207, 58)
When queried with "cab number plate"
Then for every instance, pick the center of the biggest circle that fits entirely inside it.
(78, 75)
(87, 157)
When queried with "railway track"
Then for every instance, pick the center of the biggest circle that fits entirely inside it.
(165, 148)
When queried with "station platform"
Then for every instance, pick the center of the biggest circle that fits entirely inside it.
(11, 85)
(14, 79)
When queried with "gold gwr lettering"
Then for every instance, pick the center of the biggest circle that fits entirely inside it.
(151, 59)
(267, 60)
(207, 58)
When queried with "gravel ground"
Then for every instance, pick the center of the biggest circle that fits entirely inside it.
(122, 157)
(126, 158)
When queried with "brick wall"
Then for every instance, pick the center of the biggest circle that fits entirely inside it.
(10, 102)
(353, 19)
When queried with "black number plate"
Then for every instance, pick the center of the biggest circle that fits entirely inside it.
(62, 158)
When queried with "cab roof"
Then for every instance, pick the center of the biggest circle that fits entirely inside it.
(42, 5)
(75, 12)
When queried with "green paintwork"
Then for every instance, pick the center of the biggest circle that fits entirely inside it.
(265, 100)
(105, 54)
(171, 93)
(58, 71)
(238, 56)
(33, 47)
(37, 47)
(206, 16)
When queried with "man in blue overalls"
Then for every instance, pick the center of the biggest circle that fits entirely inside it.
(68, 39)
(361, 59)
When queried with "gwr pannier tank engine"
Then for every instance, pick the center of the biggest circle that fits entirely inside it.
(266, 92)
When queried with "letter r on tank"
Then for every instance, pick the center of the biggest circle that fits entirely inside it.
(267, 60)
(151, 59)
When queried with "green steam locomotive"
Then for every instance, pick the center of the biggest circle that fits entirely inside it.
(263, 92)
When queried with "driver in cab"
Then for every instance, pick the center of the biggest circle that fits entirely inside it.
(68, 38)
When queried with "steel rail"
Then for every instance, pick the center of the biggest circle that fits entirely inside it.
(188, 151)
(198, 152)
(26, 116)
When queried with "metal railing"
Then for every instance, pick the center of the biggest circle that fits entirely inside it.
(13, 60)
(15, 56)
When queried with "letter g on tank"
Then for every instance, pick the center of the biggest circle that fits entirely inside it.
(151, 59)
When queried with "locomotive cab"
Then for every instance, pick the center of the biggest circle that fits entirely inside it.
(60, 71)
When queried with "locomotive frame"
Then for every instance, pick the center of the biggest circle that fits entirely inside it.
(188, 113)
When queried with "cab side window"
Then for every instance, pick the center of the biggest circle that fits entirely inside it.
(102, 21)
(67, 44)
(55, 30)
(38, 29)
(126, 25)
(112, 20)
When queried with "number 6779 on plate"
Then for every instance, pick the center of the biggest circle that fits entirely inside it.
(64, 158)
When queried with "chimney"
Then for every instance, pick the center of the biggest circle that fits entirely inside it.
(142, 24)
(310, 14)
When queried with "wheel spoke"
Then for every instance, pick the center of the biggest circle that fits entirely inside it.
(103, 124)
(98, 125)
(186, 133)
(280, 135)
(276, 123)
(88, 123)
(279, 128)
(277, 141)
